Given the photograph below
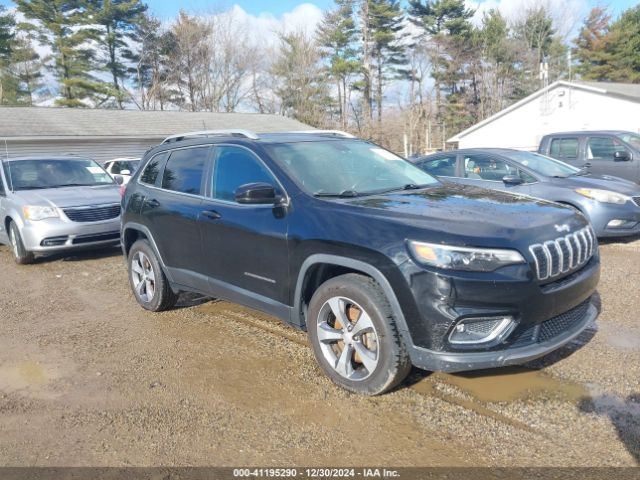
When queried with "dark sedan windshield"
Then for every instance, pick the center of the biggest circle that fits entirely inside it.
(351, 167)
(54, 173)
(546, 166)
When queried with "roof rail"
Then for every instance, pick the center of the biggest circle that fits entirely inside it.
(337, 133)
(232, 132)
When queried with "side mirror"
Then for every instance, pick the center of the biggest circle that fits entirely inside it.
(125, 172)
(118, 179)
(512, 180)
(256, 194)
(622, 156)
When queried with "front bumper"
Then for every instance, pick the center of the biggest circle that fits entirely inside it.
(56, 234)
(600, 214)
(459, 362)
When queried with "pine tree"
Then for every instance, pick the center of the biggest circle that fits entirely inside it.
(7, 33)
(26, 64)
(62, 25)
(386, 22)
(114, 29)
(337, 35)
(594, 62)
(623, 44)
(446, 25)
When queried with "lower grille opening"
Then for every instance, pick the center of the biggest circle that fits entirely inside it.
(102, 237)
(549, 329)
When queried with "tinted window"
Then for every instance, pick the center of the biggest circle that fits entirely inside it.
(564, 147)
(185, 170)
(603, 148)
(235, 167)
(151, 171)
(441, 167)
(480, 167)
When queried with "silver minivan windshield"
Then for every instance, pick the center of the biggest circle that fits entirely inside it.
(41, 174)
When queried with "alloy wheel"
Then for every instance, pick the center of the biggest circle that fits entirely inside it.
(144, 278)
(348, 338)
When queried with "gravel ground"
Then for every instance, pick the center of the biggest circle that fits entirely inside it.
(87, 378)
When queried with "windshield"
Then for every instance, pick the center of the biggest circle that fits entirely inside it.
(347, 167)
(546, 166)
(41, 174)
(631, 138)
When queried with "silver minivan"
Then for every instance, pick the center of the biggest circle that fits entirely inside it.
(53, 204)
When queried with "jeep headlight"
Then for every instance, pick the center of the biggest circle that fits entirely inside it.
(464, 258)
(604, 196)
(39, 213)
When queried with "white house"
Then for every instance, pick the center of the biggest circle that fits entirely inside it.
(562, 106)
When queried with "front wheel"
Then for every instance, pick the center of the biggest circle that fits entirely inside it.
(354, 336)
(20, 254)
(148, 282)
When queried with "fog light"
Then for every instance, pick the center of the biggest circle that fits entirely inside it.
(617, 223)
(483, 331)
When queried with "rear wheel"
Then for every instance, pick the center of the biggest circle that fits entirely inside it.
(354, 336)
(148, 282)
(20, 254)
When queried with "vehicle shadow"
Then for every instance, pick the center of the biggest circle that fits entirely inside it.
(80, 255)
(190, 299)
(624, 414)
(619, 240)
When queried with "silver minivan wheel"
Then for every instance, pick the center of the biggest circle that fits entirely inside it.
(348, 338)
(143, 277)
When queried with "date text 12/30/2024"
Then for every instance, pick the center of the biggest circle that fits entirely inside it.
(242, 473)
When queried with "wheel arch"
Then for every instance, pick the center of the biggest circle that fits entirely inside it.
(131, 233)
(319, 268)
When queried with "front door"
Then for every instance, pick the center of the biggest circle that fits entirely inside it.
(245, 246)
(600, 156)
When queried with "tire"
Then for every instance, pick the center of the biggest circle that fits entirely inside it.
(147, 279)
(20, 254)
(369, 357)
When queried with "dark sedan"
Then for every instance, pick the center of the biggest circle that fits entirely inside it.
(610, 203)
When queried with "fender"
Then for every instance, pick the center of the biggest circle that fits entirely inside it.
(364, 267)
(141, 228)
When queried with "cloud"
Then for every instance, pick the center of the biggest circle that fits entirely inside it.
(567, 14)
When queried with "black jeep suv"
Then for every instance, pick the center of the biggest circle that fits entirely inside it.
(382, 264)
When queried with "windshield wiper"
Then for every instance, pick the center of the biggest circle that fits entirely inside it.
(408, 186)
(579, 173)
(343, 194)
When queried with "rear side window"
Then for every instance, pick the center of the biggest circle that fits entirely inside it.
(184, 171)
(480, 167)
(236, 167)
(441, 167)
(151, 171)
(564, 147)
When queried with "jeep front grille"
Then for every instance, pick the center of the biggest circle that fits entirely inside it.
(564, 254)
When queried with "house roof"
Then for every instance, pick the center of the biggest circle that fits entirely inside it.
(29, 122)
(626, 91)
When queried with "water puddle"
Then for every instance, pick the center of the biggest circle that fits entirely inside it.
(512, 383)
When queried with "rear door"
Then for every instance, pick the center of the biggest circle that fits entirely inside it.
(445, 167)
(172, 209)
(600, 151)
(566, 149)
(245, 246)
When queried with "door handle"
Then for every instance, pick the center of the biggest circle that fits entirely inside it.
(153, 203)
(212, 214)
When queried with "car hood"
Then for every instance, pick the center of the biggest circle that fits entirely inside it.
(71, 196)
(602, 182)
(468, 211)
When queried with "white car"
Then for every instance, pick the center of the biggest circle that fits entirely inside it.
(122, 168)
